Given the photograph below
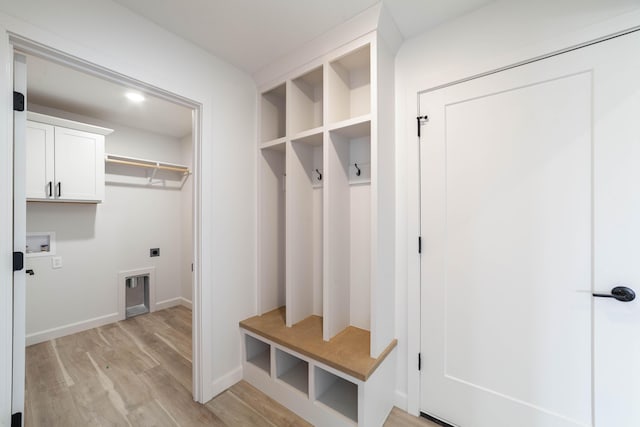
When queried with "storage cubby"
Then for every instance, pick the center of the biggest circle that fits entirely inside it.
(336, 393)
(258, 353)
(306, 100)
(293, 371)
(350, 85)
(304, 228)
(272, 228)
(273, 113)
(347, 298)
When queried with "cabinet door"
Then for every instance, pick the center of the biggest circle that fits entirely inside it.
(79, 165)
(39, 154)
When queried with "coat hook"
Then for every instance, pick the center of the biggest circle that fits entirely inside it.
(319, 175)
(358, 172)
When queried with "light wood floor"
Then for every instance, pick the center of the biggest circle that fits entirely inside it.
(138, 373)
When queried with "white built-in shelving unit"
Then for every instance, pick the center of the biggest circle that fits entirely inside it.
(326, 191)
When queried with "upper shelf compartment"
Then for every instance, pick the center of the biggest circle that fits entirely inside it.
(350, 85)
(274, 119)
(306, 101)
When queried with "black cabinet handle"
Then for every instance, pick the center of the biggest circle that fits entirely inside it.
(30, 272)
(50, 188)
(59, 189)
(621, 293)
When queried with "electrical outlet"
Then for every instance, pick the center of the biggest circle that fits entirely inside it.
(56, 262)
(154, 252)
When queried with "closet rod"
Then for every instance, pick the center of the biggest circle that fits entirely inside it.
(149, 166)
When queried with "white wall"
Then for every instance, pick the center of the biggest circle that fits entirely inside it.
(109, 35)
(186, 221)
(96, 242)
(499, 34)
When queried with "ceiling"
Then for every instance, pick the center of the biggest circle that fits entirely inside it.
(56, 86)
(250, 34)
(253, 33)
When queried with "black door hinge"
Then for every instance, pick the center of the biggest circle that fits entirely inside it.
(421, 120)
(419, 361)
(419, 244)
(16, 419)
(18, 101)
(18, 261)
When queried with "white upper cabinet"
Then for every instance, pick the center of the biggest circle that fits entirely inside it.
(39, 177)
(64, 163)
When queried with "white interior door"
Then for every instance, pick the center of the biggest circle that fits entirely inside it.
(19, 237)
(530, 202)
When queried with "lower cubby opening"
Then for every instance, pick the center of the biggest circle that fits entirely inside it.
(293, 371)
(337, 393)
(258, 353)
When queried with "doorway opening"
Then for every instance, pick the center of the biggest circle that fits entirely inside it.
(147, 219)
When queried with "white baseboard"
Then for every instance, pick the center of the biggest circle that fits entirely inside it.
(72, 328)
(401, 400)
(172, 302)
(224, 382)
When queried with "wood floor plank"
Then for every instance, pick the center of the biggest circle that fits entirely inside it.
(177, 400)
(152, 414)
(137, 373)
(174, 363)
(234, 412)
(398, 418)
(269, 408)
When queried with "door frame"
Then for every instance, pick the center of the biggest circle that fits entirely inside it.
(413, 265)
(200, 342)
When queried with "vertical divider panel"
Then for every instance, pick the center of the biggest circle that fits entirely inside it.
(383, 219)
(318, 176)
(300, 214)
(337, 288)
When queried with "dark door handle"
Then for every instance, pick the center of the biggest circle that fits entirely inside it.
(59, 189)
(30, 272)
(50, 188)
(621, 293)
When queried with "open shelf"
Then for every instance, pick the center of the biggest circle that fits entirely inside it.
(275, 145)
(273, 113)
(311, 136)
(336, 393)
(293, 371)
(258, 353)
(350, 85)
(307, 101)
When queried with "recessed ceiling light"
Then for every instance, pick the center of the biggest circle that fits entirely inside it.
(134, 96)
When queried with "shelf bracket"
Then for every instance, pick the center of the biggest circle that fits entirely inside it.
(153, 173)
